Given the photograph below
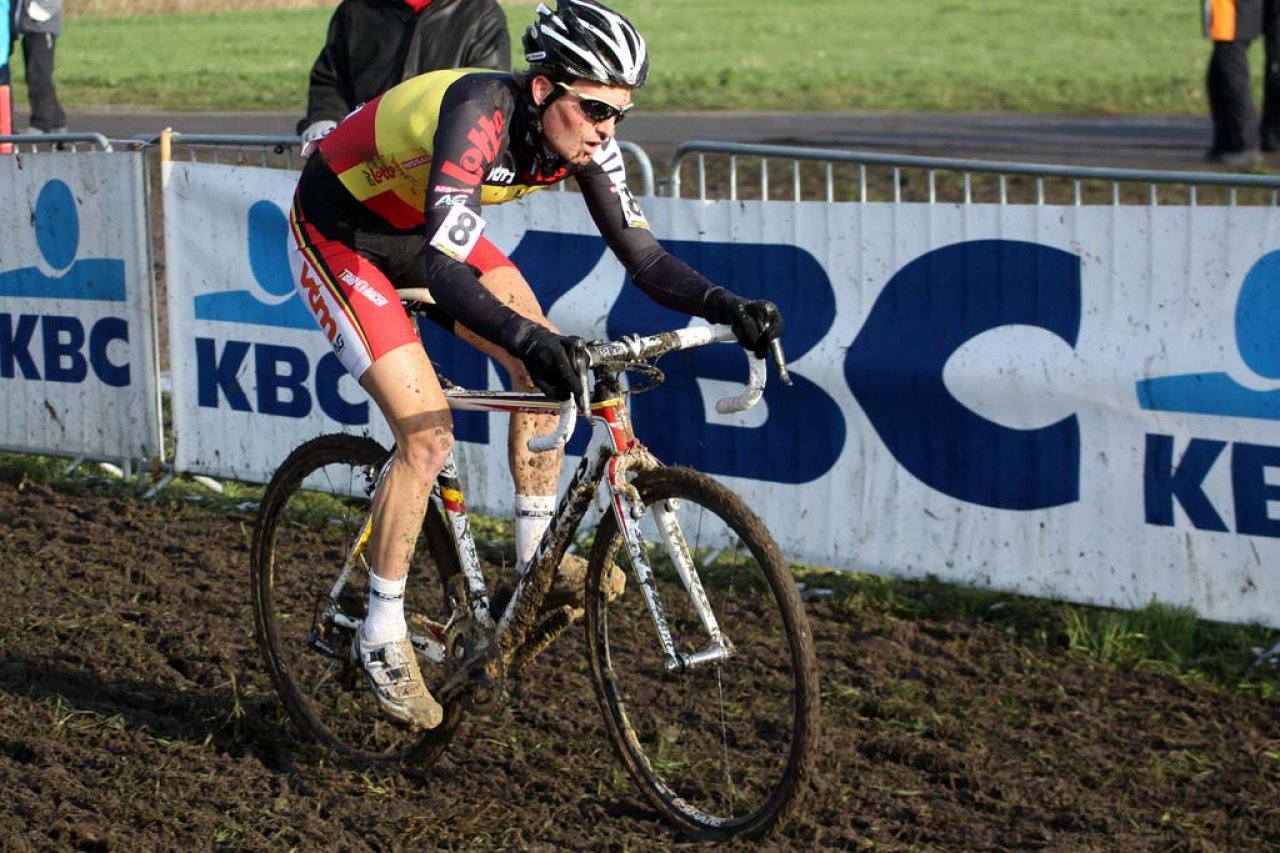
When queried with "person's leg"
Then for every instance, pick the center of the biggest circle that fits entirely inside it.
(404, 386)
(377, 344)
(532, 473)
(535, 475)
(47, 114)
(1269, 127)
(1230, 101)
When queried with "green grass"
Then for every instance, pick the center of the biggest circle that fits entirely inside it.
(960, 55)
(1157, 638)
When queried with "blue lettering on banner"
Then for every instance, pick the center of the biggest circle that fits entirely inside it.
(282, 377)
(928, 310)
(1183, 482)
(555, 263)
(67, 352)
(62, 349)
(1250, 490)
(1257, 316)
(679, 433)
(274, 301)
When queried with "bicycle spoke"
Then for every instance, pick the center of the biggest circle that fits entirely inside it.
(720, 746)
(310, 593)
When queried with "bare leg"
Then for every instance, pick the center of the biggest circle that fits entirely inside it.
(532, 473)
(404, 386)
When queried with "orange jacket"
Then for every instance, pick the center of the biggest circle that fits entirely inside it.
(1231, 20)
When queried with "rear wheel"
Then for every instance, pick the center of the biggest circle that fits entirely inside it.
(723, 749)
(308, 525)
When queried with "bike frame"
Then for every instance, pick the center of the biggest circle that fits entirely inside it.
(612, 452)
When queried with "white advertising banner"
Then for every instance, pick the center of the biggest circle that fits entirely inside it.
(1070, 402)
(78, 366)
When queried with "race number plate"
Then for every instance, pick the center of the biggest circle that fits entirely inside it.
(459, 233)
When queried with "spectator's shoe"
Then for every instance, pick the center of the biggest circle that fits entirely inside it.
(392, 670)
(1235, 159)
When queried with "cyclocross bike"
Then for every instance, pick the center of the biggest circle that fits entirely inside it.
(703, 667)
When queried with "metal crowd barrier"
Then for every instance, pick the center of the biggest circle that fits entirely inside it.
(283, 152)
(13, 143)
(944, 179)
(737, 171)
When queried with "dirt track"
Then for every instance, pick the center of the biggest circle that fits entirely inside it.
(135, 715)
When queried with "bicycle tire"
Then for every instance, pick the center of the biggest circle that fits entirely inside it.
(726, 750)
(310, 515)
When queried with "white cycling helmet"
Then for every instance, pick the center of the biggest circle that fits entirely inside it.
(583, 39)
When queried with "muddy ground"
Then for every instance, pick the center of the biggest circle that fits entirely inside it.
(135, 714)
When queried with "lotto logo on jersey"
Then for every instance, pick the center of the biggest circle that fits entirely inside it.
(382, 172)
(484, 148)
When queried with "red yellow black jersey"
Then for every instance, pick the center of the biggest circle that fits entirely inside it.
(426, 155)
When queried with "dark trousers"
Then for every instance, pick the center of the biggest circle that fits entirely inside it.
(1230, 101)
(37, 58)
(1270, 126)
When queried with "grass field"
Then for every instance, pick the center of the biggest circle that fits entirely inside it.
(957, 55)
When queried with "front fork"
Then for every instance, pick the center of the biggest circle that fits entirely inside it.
(628, 509)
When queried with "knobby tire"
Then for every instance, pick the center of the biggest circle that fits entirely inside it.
(311, 513)
(725, 751)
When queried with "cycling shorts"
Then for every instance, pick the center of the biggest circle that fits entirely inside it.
(349, 265)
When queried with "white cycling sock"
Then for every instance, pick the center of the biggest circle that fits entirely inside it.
(533, 517)
(385, 621)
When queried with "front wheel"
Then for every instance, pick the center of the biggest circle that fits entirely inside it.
(722, 749)
(309, 525)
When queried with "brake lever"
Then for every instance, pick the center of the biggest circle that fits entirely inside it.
(582, 362)
(775, 349)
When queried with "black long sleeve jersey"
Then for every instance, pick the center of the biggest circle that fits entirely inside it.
(427, 155)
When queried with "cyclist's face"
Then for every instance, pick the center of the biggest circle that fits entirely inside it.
(569, 131)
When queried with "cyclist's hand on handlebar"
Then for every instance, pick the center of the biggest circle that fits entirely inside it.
(546, 356)
(755, 322)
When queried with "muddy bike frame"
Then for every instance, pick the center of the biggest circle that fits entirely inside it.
(612, 452)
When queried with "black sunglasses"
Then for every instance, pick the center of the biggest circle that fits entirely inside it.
(596, 110)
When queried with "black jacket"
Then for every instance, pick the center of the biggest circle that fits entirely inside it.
(374, 44)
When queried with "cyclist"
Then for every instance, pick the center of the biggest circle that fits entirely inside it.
(392, 198)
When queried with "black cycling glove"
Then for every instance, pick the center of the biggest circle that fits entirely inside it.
(546, 356)
(755, 322)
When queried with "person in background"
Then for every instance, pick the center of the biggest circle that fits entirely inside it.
(1269, 127)
(6, 105)
(39, 23)
(374, 44)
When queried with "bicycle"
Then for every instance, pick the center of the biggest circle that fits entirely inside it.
(703, 667)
